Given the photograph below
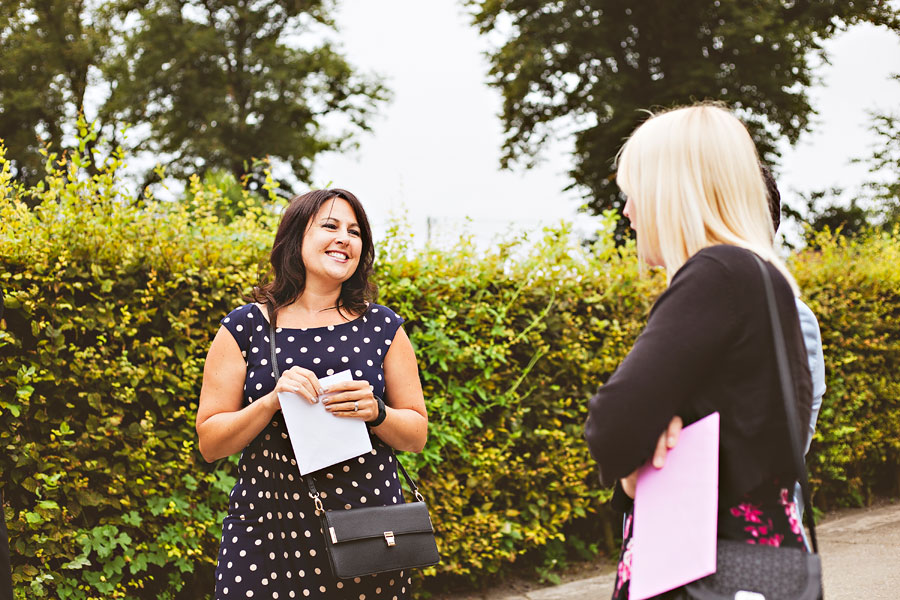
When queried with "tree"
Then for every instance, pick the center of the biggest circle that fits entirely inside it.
(876, 204)
(224, 81)
(884, 166)
(596, 65)
(830, 209)
(204, 84)
(49, 49)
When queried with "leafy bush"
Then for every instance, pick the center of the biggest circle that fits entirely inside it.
(112, 303)
(853, 286)
(510, 343)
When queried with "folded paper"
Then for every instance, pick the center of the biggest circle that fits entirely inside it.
(318, 437)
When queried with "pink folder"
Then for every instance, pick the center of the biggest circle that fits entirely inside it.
(675, 514)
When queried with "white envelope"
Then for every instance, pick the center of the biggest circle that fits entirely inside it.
(319, 438)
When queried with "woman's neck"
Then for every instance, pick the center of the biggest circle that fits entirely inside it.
(317, 306)
(316, 299)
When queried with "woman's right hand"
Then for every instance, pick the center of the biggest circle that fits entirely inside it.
(300, 381)
(667, 440)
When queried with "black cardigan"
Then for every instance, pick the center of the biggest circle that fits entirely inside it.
(707, 347)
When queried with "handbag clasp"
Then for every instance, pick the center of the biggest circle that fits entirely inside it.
(389, 538)
(317, 501)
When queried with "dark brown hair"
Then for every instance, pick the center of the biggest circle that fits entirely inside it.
(773, 195)
(286, 278)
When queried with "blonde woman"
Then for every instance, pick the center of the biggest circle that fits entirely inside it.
(697, 201)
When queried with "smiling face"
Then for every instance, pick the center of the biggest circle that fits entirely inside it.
(332, 243)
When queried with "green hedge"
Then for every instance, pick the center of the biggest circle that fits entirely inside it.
(112, 303)
(853, 286)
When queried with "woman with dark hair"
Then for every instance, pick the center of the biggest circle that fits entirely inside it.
(320, 295)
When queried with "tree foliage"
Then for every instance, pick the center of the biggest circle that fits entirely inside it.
(49, 51)
(822, 210)
(884, 165)
(205, 84)
(220, 82)
(595, 66)
(875, 204)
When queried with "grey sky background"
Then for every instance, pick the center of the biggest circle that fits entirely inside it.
(435, 150)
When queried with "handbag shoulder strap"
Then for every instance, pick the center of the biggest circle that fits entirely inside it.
(310, 482)
(789, 399)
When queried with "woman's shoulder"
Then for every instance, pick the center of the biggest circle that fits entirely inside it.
(729, 256)
(712, 262)
(713, 276)
(241, 315)
(382, 317)
(719, 262)
(382, 311)
(241, 323)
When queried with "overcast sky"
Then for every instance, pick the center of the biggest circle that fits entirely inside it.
(434, 152)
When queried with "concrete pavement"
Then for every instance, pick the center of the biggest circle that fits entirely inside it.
(860, 554)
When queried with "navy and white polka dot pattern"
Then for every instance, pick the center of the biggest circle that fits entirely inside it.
(272, 543)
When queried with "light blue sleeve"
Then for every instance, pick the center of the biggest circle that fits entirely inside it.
(812, 338)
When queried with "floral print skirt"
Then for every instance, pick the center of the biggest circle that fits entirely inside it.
(768, 518)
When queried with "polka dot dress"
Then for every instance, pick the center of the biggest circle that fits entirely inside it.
(272, 544)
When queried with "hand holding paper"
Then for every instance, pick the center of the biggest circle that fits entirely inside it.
(319, 438)
(301, 382)
(667, 441)
(352, 399)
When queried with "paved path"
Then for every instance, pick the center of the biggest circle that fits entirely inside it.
(860, 554)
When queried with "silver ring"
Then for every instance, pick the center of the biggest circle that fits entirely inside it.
(356, 407)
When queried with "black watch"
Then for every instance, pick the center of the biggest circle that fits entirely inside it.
(382, 413)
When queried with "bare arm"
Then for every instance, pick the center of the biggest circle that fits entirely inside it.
(406, 425)
(223, 427)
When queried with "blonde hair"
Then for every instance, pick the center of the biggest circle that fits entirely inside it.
(693, 177)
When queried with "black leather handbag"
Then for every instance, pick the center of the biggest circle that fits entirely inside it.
(374, 539)
(751, 571)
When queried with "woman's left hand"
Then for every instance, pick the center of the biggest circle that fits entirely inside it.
(667, 440)
(351, 399)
